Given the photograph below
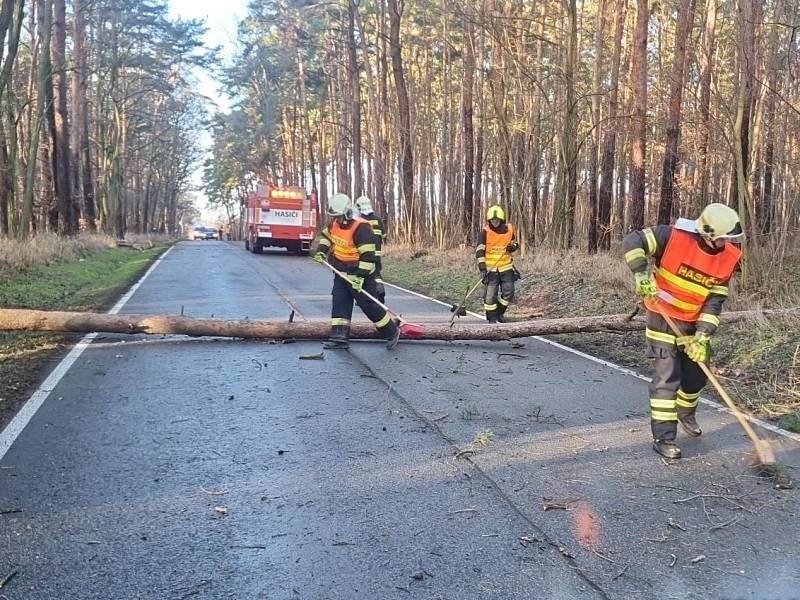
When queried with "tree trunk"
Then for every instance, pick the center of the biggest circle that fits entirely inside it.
(743, 109)
(479, 142)
(682, 33)
(67, 220)
(610, 136)
(43, 26)
(639, 119)
(406, 154)
(4, 188)
(468, 132)
(594, 209)
(355, 102)
(81, 322)
(709, 45)
(378, 146)
(301, 79)
(766, 208)
(566, 191)
(9, 45)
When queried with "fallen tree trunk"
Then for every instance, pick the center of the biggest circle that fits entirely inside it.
(75, 322)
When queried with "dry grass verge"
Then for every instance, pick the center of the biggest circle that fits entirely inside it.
(759, 361)
(48, 248)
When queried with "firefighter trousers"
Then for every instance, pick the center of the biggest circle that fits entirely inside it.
(495, 305)
(677, 380)
(380, 288)
(342, 306)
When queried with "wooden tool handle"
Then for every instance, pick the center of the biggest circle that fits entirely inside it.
(763, 450)
(365, 292)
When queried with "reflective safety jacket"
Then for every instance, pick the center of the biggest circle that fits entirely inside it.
(492, 251)
(692, 278)
(380, 235)
(351, 245)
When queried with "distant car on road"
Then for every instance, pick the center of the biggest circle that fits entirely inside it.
(215, 234)
(202, 233)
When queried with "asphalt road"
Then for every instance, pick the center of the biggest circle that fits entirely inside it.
(177, 468)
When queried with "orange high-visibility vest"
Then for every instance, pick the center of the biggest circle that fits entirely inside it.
(497, 257)
(688, 274)
(344, 246)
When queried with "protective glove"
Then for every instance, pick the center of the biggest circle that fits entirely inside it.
(699, 349)
(512, 247)
(320, 257)
(646, 285)
(484, 276)
(357, 283)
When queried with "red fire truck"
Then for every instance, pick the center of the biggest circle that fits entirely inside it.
(282, 216)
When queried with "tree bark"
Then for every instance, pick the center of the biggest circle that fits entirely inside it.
(8, 52)
(44, 19)
(67, 220)
(407, 157)
(566, 190)
(594, 209)
(378, 146)
(682, 34)
(741, 126)
(355, 102)
(469, 134)
(709, 45)
(766, 208)
(81, 322)
(605, 194)
(639, 119)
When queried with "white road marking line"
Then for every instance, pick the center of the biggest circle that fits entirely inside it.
(616, 367)
(34, 403)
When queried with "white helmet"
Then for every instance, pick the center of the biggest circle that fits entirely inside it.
(719, 222)
(339, 205)
(364, 205)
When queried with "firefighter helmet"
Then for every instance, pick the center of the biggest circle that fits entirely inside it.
(719, 222)
(364, 205)
(339, 205)
(495, 212)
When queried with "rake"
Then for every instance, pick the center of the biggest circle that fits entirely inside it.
(407, 329)
(459, 310)
(763, 450)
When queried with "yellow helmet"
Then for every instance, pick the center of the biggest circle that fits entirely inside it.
(719, 222)
(495, 212)
(339, 205)
(364, 205)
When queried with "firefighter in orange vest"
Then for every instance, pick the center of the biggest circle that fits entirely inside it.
(496, 242)
(351, 244)
(694, 261)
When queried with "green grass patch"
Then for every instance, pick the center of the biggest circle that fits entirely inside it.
(450, 288)
(91, 283)
(791, 422)
(484, 438)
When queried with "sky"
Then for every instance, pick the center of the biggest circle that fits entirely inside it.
(221, 18)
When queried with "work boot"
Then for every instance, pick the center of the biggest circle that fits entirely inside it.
(391, 334)
(689, 424)
(667, 448)
(491, 317)
(339, 338)
(501, 313)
